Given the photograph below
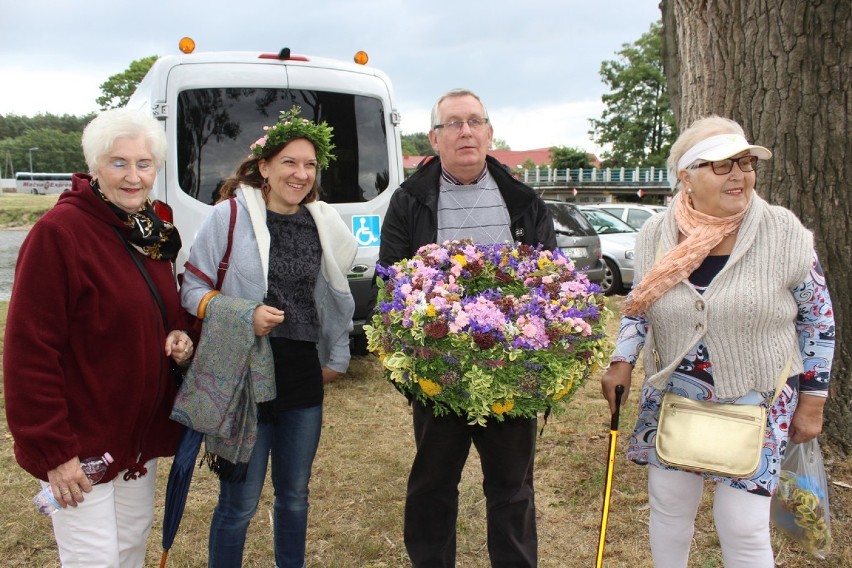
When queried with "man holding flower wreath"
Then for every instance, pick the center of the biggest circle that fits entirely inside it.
(465, 194)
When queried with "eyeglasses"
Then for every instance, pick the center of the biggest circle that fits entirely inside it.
(724, 167)
(457, 125)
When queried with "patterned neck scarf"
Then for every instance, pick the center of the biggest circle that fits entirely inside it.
(150, 235)
(703, 232)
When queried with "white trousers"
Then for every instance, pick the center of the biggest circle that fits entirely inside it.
(741, 519)
(110, 528)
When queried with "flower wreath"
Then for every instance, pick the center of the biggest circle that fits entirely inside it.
(488, 331)
(289, 127)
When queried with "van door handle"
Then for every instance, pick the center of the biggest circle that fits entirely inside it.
(360, 268)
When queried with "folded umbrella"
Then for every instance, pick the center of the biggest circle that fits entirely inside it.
(177, 488)
(613, 436)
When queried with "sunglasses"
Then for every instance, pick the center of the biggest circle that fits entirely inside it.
(724, 167)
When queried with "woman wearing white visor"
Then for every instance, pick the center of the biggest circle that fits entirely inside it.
(732, 303)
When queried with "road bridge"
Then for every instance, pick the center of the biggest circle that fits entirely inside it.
(598, 184)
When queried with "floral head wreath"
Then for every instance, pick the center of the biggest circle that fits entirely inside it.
(289, 127)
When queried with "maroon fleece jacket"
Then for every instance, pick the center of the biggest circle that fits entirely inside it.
(84, 365)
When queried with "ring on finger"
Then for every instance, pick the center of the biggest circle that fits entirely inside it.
(66, 492)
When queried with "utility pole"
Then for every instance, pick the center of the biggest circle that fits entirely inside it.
(31, 161)
(8, 168)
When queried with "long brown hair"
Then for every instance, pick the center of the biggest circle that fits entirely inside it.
(248, 173)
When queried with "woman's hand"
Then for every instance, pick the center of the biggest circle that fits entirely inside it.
(807, 420)
(68, 483)
(266, 318)
(619, 373)
(179, 347)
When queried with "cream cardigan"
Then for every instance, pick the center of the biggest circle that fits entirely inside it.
(747, 315)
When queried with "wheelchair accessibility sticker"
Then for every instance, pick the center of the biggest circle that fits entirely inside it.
(366, 230)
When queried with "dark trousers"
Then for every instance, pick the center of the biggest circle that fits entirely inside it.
(507, 452)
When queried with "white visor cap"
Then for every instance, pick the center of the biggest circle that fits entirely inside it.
(720, 147)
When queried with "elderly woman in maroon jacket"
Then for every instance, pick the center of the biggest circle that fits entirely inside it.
(91, 342)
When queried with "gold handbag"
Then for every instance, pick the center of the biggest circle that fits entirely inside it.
(725, 439)
(712, 437)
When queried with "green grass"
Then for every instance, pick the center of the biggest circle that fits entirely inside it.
(358, 492)
(22, 210)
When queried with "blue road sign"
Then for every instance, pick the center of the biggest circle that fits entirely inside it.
(366, 229)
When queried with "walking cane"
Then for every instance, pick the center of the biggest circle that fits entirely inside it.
(613, 436)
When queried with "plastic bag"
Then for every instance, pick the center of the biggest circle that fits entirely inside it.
(799, 506)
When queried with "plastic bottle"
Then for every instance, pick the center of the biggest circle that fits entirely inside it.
(94, 468)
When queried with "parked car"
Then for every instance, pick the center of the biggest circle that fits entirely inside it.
(633, 214)
(618, 239)
(577, 239)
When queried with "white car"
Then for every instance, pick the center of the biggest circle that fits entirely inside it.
(618, 241)
(633, 214)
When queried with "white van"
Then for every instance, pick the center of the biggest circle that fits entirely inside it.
(214, 105)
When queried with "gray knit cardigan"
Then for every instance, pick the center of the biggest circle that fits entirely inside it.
(249, 266)
(747, 314)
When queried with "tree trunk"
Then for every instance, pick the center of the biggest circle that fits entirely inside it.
(782, 70)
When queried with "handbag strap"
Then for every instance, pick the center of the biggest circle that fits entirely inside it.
(154, 292)
(224, 263)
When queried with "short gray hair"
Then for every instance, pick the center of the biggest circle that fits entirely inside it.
(450, 94)
(100, 135)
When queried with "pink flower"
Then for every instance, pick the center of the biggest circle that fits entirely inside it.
(261, 142)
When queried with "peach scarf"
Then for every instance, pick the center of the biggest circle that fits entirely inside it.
(703, 232)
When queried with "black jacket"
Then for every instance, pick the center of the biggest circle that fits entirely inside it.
(412, 217)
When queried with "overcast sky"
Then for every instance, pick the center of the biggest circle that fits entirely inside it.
(535, 64)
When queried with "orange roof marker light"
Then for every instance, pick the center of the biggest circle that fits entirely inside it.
(361, 58)
(186, 44)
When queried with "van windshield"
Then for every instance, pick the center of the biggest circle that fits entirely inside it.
(215, 128)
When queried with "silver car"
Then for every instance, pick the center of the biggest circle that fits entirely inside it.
(633, 214)
(577, 239)
(618, 240)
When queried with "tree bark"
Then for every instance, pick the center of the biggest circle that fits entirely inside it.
(782, 70)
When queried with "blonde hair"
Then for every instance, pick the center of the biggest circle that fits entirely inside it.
(100, 135)
(699, 130)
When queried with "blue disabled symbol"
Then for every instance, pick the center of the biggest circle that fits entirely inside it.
(366, 230)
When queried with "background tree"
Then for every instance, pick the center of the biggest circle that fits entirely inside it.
(416, 144)
(499, 144)
(637, 124)
(118, 89)
(781, 69)
(57, 138)
(564, 157)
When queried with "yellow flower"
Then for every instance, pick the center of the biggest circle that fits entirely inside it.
(459, 258)
(543, 263)
(503, 407)
(563, 392)
(431, 388)
(431, 311)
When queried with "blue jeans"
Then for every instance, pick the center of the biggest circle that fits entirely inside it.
(292, 440)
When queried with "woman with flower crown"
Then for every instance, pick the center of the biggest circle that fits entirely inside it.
(285, 297)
